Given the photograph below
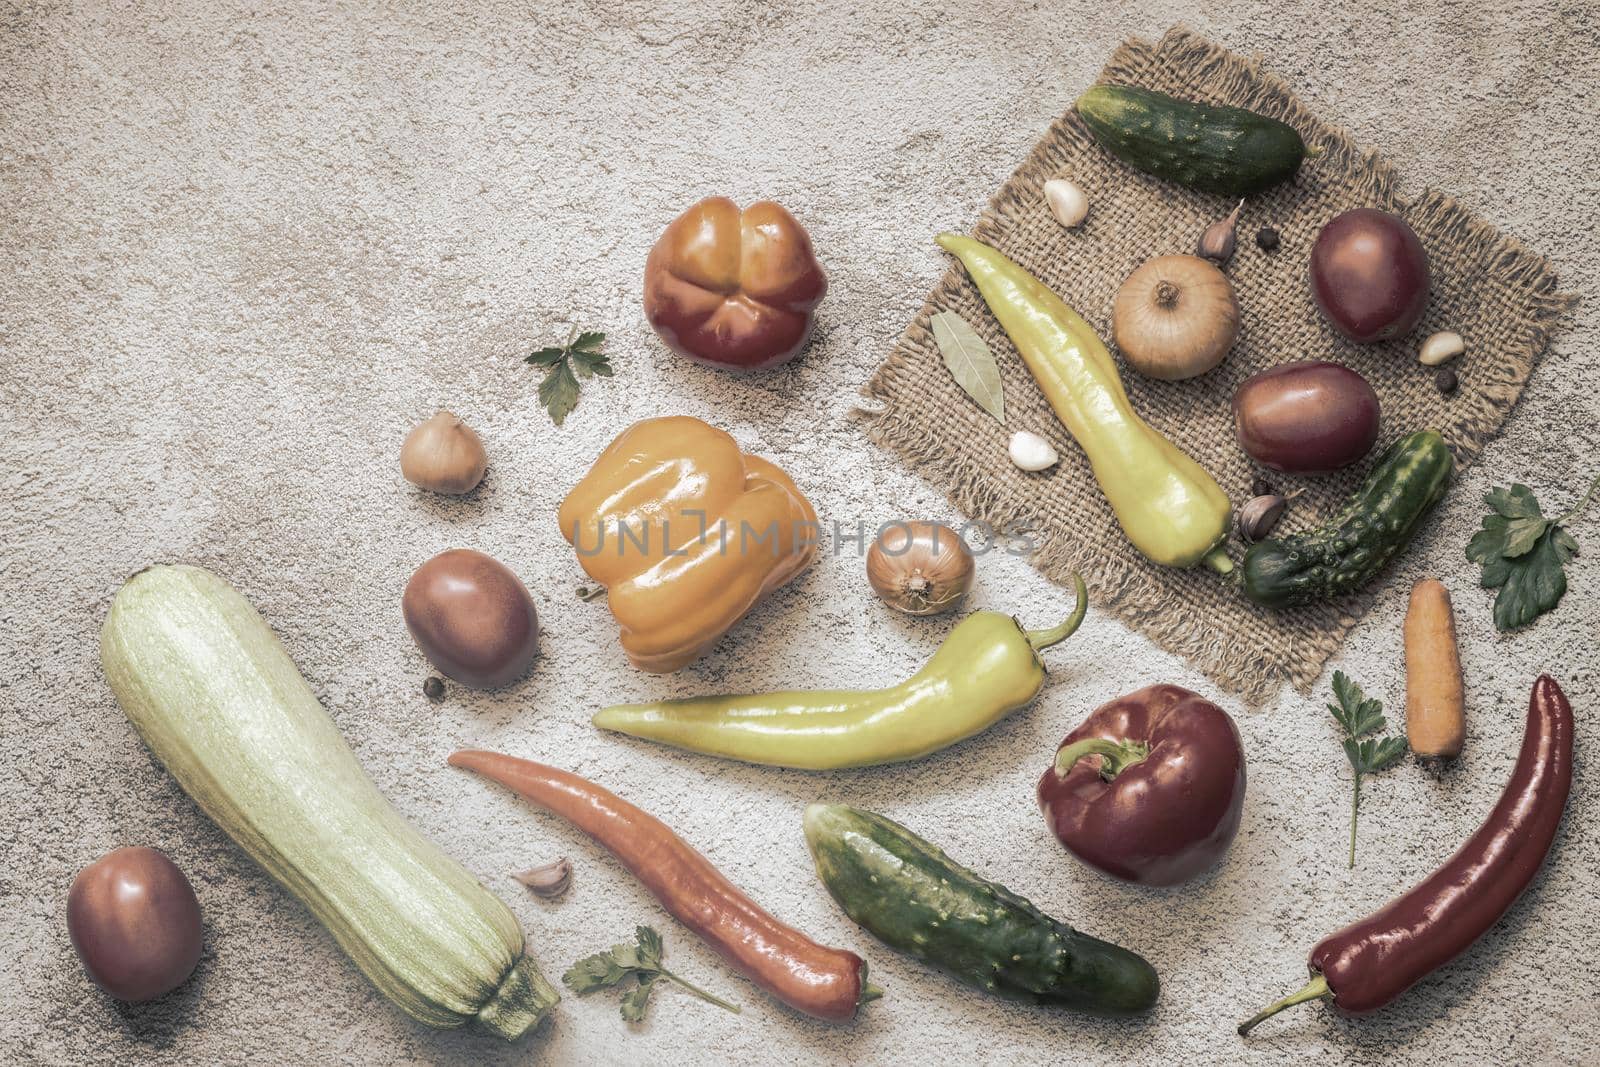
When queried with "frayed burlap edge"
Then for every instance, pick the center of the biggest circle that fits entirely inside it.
(1241, 81)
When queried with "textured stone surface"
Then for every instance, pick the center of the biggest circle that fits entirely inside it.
(245, 251)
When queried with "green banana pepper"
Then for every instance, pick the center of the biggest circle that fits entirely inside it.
(987, 668)
(1169, 507)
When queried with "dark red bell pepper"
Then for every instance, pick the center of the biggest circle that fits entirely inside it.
(1149, 788)
(1369, 963)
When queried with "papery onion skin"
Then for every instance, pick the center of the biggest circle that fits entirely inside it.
(920, 568)
(1175, 318)
(443, 455)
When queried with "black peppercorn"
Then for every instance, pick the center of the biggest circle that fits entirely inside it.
(1267, 239)
(1445, 379)
(1261, 487)
(433, 689)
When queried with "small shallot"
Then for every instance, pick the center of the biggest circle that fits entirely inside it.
(548, 880)
(920, 568)
(443, 455)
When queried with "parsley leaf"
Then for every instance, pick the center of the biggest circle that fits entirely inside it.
(1523, 554)
(579, 358)
(600, 971)
(650, 947)
(1360, 715)
(637, 999)
(640, 961)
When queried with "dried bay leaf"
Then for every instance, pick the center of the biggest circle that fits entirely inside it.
(970, 362)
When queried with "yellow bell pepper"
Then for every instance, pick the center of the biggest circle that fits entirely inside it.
(687, 534)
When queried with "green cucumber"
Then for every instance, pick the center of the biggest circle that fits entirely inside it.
(911, 896)
(1342, 554)
(217, 699)
(1225, 150)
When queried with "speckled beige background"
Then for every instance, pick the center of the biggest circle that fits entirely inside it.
(244, 249)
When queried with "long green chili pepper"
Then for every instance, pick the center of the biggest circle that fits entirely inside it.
(987, 668)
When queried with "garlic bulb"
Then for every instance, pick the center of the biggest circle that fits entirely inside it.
(1067, 202)
(444, 455)
(1032, 452)
(920, 568)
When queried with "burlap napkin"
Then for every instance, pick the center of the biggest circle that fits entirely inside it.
(1502, 298)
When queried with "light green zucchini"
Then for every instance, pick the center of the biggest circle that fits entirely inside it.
(217, 699)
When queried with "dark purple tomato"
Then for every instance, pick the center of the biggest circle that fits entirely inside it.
(1369, 275)
(135, 923)
(472, 618)
(1306, 418)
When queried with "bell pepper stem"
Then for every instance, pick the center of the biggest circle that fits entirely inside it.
(1118, 755)
(1217, 559)
(1043, 639)
(1314, 989)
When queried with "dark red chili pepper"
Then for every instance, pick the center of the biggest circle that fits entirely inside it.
(1369, 963)
(828, 983)
(1161, 803)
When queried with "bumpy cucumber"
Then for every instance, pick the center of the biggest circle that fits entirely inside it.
(911, 896)
(1341, 555)
(1225, 150)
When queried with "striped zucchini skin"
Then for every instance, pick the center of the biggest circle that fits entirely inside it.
(216, 697)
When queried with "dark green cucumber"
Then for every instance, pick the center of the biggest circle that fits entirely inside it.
(911, 896)
(1339, 556)
(1225, 150)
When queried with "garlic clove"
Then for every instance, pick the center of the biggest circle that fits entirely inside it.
(443, 455)
(1441, 348)
(1259, 516)
(1067, 202)
(547, 880)
(1031, 452)
(1221, 237)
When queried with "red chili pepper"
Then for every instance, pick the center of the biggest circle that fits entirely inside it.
(1162, 801)
(828, 983)
(1370, 963)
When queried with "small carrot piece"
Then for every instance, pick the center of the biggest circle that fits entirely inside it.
(1435, 700)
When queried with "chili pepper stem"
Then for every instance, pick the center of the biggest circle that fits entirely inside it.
(701, 993)
(1118, 755)
(1043, 639)
(869, 992)
(1217, 559)
(1314, 989)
